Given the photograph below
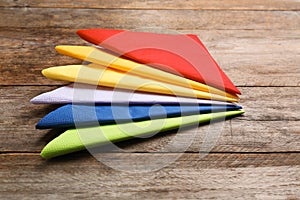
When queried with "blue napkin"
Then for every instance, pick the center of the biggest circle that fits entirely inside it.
(70, 115)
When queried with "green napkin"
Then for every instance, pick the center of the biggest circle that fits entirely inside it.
(78, 139)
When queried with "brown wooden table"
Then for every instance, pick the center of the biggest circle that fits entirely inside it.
(257, 156)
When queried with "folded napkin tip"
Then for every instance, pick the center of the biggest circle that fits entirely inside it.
(239, 107)
(242, 111)
(44, 153)
(33, 100)
(37, 126)
(45, 72)
(37, 99)
(84, 34)
(61, 49)
(53, 72)
(81, 33)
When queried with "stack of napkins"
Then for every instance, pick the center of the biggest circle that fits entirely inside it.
(132, 84)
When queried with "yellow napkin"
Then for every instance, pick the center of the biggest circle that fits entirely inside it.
(99, 75)
(98, 56)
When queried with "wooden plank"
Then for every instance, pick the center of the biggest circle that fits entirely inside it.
(158, 5)
(132, 19)
(234, 136)
(25, 52)
(271, 103)
(254, 157)
(272, 176)
(269, 125)
(265, 57)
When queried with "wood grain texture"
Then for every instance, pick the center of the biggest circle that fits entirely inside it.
(133, 19)
(158, 5)
(260, 54)
(272, 176)
(234, 136)
(269, 131)
(252, 157)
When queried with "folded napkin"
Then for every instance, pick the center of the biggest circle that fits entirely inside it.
(98, 56)
(69, 116)
(183, 54)
(99, 75)
(84, 93)
(78, 139)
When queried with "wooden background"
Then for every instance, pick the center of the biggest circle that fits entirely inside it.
(257, 156)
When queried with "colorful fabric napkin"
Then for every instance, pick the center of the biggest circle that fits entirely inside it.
(119, 85)
(69, 116)
(99, 75)
(78, 139)
(85, 93)
(175, 53)
(101, 57)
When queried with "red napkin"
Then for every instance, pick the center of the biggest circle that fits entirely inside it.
(179, 54)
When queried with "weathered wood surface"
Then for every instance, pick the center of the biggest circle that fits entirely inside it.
(131, 19)
(274, 176)
(268, 131)
(256, 156)
(265, 57)
(158, 5)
